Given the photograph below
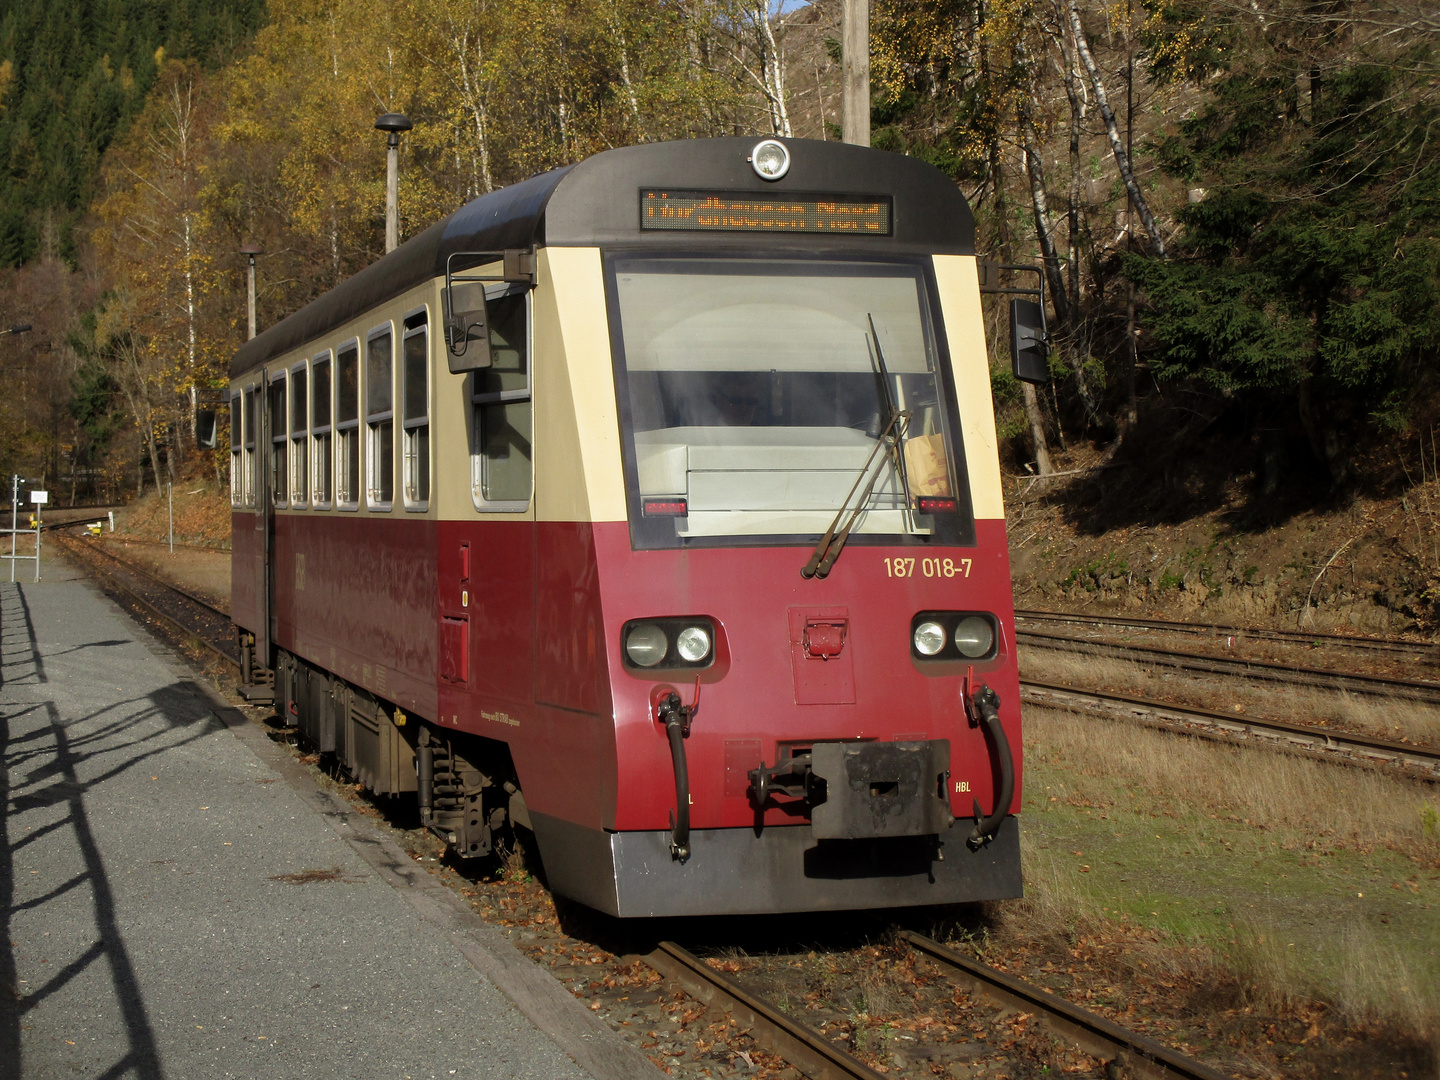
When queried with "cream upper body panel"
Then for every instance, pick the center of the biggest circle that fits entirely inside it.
(579, 475)
(957, 279)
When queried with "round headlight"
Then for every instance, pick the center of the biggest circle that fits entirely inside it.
(770, 159)
(974, 636)
(645, 645)
(693, 644)
(929, 638)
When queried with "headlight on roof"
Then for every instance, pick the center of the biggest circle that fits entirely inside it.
(770, 159)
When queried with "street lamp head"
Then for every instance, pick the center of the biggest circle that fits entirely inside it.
(251, 249)
(393, 122)
(20, 328)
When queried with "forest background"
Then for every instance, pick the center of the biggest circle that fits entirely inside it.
(1235, 204)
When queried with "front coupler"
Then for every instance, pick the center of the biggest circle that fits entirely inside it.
(863, 790)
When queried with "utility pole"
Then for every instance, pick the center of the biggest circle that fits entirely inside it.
(250, 251)
(392, 124)
(855, 72)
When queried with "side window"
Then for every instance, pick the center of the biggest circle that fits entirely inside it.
(380, 418)
(501, 473)
(299, 429)
(321, 463)
(415, 411)
(237, 473)
(278, 438)
(250, 463)
(347, 426)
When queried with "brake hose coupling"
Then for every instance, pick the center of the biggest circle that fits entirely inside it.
(670, 710)
(675, 717)
(983, 706)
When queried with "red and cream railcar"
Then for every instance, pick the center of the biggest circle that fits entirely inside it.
(652, 505)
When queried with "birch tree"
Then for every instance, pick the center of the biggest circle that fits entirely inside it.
(1112, 130)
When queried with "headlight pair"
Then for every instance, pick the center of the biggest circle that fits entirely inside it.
(671, 643)
(952, 635)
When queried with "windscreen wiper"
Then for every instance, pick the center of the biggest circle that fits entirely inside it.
(889, 401)
(833, 542)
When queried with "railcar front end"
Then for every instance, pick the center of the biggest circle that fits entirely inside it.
(708, 590)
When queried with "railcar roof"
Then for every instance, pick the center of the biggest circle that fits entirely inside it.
(597, 202)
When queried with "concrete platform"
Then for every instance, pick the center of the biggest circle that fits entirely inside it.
(180, 900)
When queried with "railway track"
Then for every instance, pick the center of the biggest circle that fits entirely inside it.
(1426, 651)
(821, 1059)
(193, 618)
(1298, 675)
(1331, 743)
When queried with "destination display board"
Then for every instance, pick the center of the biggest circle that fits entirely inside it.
(709, 211)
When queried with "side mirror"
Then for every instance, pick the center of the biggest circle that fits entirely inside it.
(468, 336)
(465, 321)
(1028, 350)
(205, 429)
(467, 327)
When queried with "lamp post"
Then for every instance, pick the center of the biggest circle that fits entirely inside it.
(392, 124)
(250, 251)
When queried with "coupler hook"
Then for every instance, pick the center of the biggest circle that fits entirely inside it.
(676, 718)
(985, 704)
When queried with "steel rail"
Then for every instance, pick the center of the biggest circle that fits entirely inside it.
(171, 586)
(1354, 682)
(110, 538)
(1380, 644)
(1328, 742)
(189, 632)
(799, 1044)
(1093, 1033)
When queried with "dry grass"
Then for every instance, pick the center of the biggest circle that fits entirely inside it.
(1377, 984)
(1385, 718)
(1255, 786)
(202, 516)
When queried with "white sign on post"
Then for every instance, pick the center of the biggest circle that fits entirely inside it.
(39, 498)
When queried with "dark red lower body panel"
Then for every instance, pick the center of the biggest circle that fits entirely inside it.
(511, 630)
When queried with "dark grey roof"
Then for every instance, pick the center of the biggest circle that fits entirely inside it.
(597, 202)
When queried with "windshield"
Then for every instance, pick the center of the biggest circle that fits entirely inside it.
(756, 391)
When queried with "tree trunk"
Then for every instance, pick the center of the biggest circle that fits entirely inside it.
(1036, 421)
(1072, 213)
(772, 67)
(1044, 231)
(1112, 129)
(624, 48)
(1077, 331)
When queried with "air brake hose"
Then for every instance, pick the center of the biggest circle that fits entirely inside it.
(680, 820)
(676, 719)
(987, 706)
